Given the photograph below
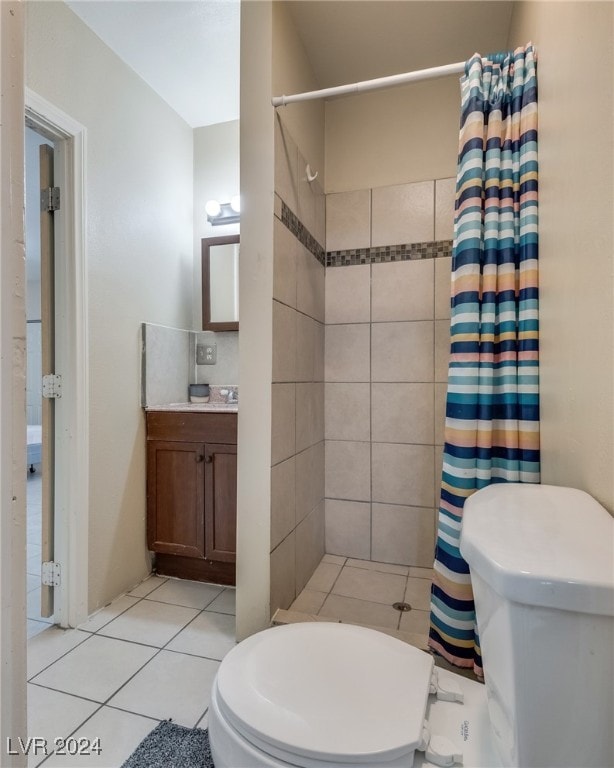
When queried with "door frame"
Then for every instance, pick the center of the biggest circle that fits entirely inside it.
(72, 409)
(12, 385)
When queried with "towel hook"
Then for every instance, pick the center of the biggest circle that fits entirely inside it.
(310, 175)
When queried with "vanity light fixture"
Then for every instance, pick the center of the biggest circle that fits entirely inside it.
(223, 213)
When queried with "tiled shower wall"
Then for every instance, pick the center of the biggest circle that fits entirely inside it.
(297, 460)
(387, 345)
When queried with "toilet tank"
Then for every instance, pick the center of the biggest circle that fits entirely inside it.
(542, 569)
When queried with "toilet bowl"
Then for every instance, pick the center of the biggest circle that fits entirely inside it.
(330, 695)
(323, 694)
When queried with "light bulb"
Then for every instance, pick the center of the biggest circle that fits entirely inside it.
(213, 208)
(235, 203)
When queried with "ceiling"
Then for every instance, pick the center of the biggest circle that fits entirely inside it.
(351, 40)
(188, 50)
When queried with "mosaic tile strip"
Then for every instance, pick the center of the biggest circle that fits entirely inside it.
(302, 234)
(383, 253)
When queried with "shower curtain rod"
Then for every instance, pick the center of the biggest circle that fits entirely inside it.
(370, 85)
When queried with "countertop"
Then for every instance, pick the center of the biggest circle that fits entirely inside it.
(196, 407)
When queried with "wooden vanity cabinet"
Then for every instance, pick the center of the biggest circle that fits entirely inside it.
(192, 494)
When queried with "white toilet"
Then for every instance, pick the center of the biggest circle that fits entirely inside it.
(324, 695)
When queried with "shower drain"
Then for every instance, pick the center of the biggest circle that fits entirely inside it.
(403, 607)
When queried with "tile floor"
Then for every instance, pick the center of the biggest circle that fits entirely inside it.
(153, 652)
(362, 592)
(148, 656)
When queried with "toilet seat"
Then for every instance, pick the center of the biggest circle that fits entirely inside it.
(274, 690)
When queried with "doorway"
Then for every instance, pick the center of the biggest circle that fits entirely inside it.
(63, 481)
(39, 414)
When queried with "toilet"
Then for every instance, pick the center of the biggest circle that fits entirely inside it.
(331, 695)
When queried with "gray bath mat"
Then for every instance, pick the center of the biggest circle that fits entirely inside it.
(172, 746)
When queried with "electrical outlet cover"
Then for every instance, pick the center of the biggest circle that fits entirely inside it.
(206, 354)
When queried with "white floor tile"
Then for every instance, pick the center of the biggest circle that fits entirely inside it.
(309, 601)
(150, 623)
(370, 585)
(34, 545)
(36, 627)
(52, 715)
(171, 686)
(190, 594)
(204, 722)
(335, 559)
(120, 734)
(421, 573)
(145, 587)
(34, 486)
(48, 646)
(108, 613)
(370, 565)
(96, 668)
(416, 621)
(418, 594)
(324, 577)
(224, 603)
(210, 634)
(338, 608)
(33, 538)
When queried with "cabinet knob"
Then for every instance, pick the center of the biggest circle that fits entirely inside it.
(200, 458)
(208, 459)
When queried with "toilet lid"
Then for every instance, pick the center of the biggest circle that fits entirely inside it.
(325, 691)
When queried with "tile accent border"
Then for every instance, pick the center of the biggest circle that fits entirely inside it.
(302, 234)
(435, 249)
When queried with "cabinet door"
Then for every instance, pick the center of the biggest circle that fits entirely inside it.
(221, 502)
(175, 498)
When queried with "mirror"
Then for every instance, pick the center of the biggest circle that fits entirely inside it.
(220, 278)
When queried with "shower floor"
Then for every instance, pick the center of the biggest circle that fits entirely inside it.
(364, 592)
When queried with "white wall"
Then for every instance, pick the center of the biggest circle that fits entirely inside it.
(292, 73)
(255, 347)
(272, 60)
(574, 47)
(139, 250)
(393, 136)
(216, 176)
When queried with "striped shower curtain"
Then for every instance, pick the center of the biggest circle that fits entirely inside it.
(492, 405)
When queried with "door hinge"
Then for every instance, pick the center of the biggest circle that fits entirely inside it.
(51, 574)
(52, 386)
(50, 199)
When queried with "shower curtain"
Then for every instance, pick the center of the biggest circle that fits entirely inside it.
(492, 404)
